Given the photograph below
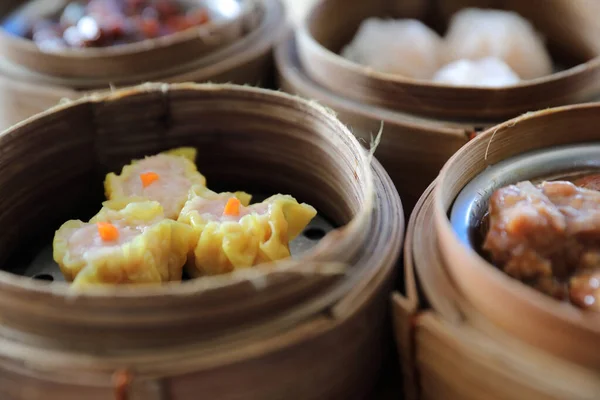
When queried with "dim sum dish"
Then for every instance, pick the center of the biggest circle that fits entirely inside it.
(450, 350)
(140, 243)
(231, 234)
(454, 60)
(105, 23)
(404, 47)
(134, 238)
(425, 121)
(166, 178)
(27, 90)
(473, 35)
(133, 245)
(499, 266)
(212, 252)
(546, 235)
(517, 232)
(485, 72)
(412, 149)
(94, 38)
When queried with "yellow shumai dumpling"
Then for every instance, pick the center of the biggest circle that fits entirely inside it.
(165, 177)
(123, 244)
(229, 234)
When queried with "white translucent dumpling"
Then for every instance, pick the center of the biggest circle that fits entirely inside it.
(487, 72)
(476, 33)
(403, 47)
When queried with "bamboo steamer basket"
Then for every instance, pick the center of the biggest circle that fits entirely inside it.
(24, 93)
(242, 335)
(449, 350)
(412, 149)
(558, 328)
(130, 59)
(571, 40)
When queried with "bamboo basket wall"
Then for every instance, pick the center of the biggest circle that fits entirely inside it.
(452, 344)
(246, 334)
(248, 60)
(571, 39)
(412, 149)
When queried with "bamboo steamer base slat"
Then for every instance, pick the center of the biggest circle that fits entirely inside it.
(412, 149)
(326, 346)
(248, 61)
(454, 352)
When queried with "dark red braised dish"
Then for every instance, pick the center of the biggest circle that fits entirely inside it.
(547, 235)
(104, 23)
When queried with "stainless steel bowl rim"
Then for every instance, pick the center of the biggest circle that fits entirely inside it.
(471, 204)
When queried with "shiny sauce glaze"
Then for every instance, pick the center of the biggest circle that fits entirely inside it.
(547, 235)
(104, 23)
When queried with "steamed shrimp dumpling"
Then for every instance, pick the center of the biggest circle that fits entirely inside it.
(165, 177)
(487, 72)
(404, 47)
(230, 234)
(477, 33)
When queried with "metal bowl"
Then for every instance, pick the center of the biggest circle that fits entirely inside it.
(471, 204)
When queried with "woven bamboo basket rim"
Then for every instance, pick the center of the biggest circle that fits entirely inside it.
(182, 370)
(264, 29)
(389, 90)
(537, 309)
(440, 292)
(187, 358)
(248, 61)
(229, 348)
(152, 370)
(192, 42)
(452, 315)
(290, 68)
(322, 277)
(407, 141)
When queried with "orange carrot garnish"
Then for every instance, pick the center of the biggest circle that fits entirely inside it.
(148, 178)
(232, 208)
(107, 231)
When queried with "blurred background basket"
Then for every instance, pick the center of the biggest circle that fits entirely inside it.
(245, 60)
(425, 123)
